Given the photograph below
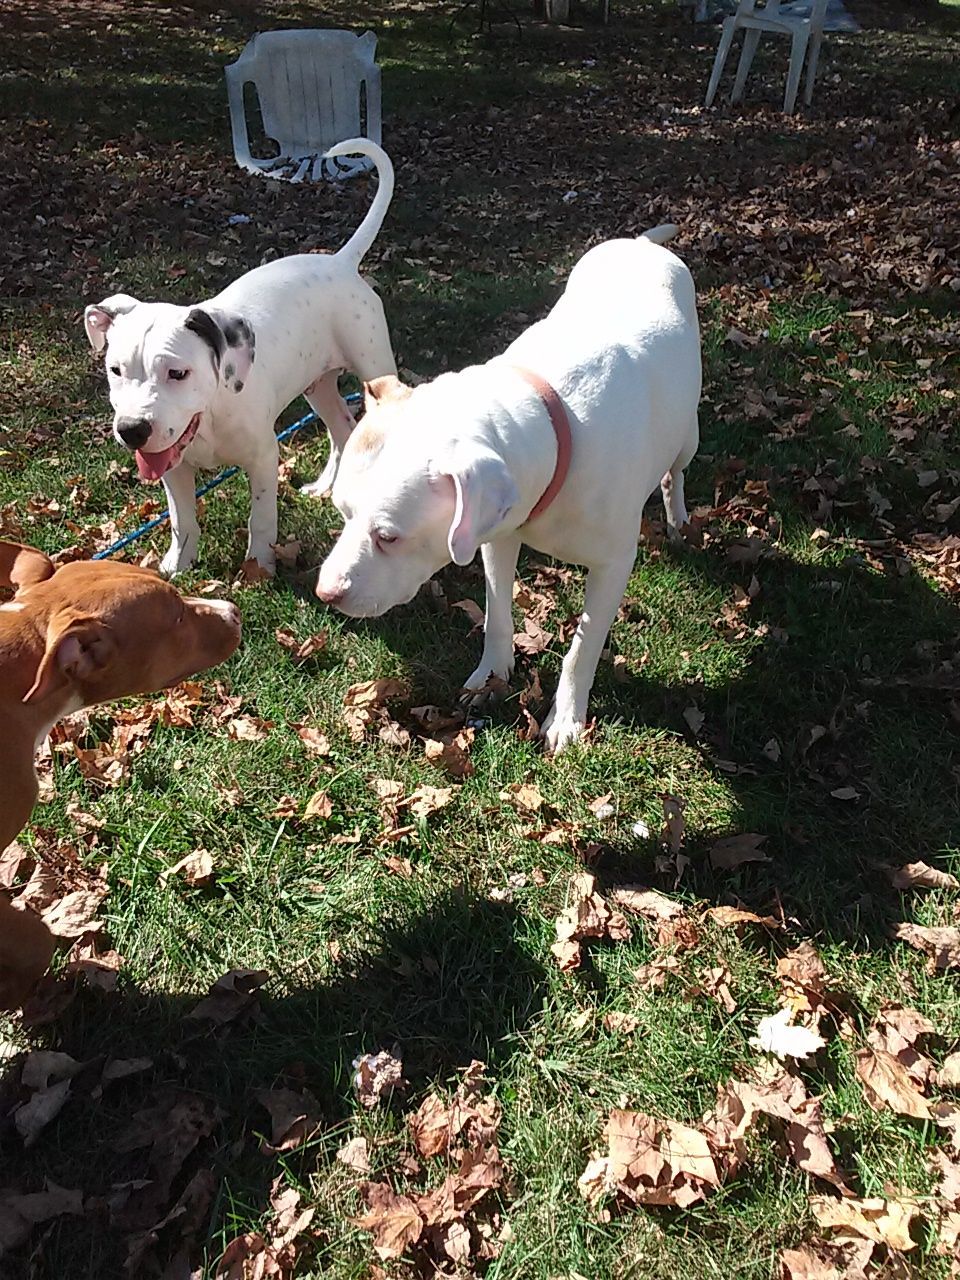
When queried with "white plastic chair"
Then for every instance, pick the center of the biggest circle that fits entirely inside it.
(315, 88)
(805, 33)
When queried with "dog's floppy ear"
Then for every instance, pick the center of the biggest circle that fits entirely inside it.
(232, 343)
(23, 566)
(484, 492)
(75, 651)
(98, 318)
(386, 390)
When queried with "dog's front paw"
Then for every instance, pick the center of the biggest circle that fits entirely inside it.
(486, 684)
(561, 729)
(265, 557)
(177, 560)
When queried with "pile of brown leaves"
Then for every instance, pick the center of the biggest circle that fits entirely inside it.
(456, 1222)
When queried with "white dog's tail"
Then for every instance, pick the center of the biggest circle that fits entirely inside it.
(366, 233)
(660, 235)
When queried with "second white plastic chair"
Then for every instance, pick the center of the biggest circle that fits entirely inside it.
(805, 34)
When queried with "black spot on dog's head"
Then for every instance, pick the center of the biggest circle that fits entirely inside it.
(238, 386)
(229, 370)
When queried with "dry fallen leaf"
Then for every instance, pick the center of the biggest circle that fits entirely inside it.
(248, 728)
(733, 851)
(451, 753)
(588, 915)
(948, 1077)
(733, 917)
(803, 977)
(524, 796)
(315, 742)
(649, 903)
(883, 1221)
(48, 1074)
(232, 996)
(777, 1034)
(394, 1221)
(472, 610)
(917, 875)
(271, 1254)
(622, 1023)
(887, 1083)
(252, 572)
(376, 693)
(426, 800)
(438, 1123)
(378, 1075)
(650, 1161)
(19, 1214)
(782, 1099)
(318, 806)
(295, 1118)
(300, 650)
(827, 1260)
(196, 869)
(355, 1155)
(941, 943)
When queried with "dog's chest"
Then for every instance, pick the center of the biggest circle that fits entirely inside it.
(202, 452)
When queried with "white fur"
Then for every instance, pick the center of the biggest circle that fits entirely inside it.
(465, 458)
(311, 316)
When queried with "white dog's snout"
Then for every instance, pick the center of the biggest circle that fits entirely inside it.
(332, 588)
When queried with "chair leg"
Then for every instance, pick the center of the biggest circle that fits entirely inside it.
(723, 50)
(797, 53)
(750, 41)
(812, 59)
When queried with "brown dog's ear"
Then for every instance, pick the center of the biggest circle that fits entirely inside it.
(74, 652)
(23, 566)
(383, 390)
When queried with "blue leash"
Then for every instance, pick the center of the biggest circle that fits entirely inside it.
(226, 474)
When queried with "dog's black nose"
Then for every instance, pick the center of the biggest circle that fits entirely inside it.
(134, 432)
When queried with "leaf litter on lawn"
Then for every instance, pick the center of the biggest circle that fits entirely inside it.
(457, 1221)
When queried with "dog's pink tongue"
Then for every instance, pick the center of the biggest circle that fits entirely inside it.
(154, 465)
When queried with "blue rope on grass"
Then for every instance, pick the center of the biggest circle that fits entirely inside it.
(226, 474)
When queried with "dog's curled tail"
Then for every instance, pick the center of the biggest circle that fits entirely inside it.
(366, 233)
(660, 235)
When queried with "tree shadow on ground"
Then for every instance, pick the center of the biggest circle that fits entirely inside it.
(442, 988)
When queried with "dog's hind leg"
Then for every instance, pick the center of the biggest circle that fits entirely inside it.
(325, 400)
(671, 486)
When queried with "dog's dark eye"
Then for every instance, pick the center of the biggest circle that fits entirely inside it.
(384, 539)
(115, 370)
(177, 375)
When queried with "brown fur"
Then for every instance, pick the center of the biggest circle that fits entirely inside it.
(86, 633)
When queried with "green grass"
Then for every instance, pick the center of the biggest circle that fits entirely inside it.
(454, 962)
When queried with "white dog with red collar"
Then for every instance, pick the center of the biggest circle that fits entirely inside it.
(558, 444)
(203, 385)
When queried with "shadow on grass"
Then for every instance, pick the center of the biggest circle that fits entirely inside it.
(448, 986)
(852, 697)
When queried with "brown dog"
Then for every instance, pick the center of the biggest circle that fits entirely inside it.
(86, 633)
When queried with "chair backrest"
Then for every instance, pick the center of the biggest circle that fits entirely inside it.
(312, 87)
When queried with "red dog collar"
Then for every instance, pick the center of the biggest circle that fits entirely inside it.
(561, 429)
